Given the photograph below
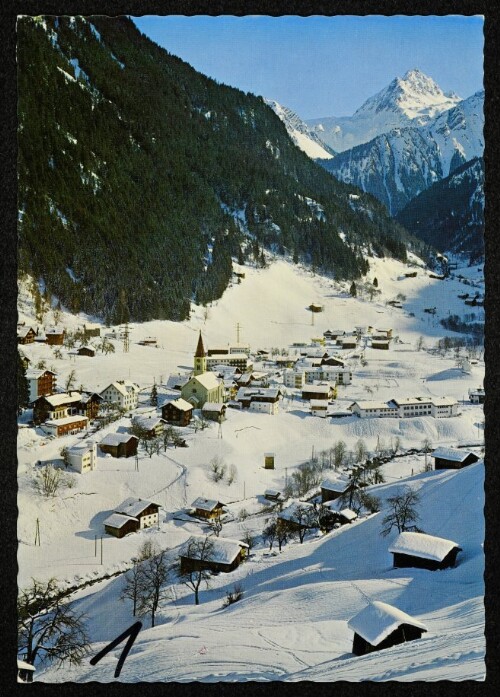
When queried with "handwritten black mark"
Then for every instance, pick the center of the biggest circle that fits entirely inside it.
(131, 633)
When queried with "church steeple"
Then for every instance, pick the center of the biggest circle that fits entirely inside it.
(200, 358)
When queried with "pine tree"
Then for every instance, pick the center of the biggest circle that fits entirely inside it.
(375, 282)
(352, 290)
(154, 396)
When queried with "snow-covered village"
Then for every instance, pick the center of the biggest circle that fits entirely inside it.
(280, 481)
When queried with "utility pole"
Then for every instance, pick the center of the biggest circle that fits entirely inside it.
(95, 545)
(136, 462)
(238, 327)
(126, 339)
(37, 533)
(101, 551)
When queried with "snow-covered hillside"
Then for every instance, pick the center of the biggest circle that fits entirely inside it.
(413, 100)
(292, 621)
(302, 135)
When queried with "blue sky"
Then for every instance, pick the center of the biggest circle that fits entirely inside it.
(324, 66)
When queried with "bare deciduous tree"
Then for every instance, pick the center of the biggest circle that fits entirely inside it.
(198, 551)
(48, 628)
(402, 510)
(154, 572)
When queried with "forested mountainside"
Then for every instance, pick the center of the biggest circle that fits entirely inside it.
(450, 214)
(140, 178)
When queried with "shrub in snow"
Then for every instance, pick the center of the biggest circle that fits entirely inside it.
(232, 596)
(48, 480)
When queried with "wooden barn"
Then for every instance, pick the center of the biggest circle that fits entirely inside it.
(207, 508)
(89, 404)
(146, 512)
(453, 458)
(421, 551)
(323, 391)
(381, 344)
(119, 444)
(54, 336)
(224, 556)
(152, 426)
(214, 411)
(86, 351)
(333, 487)
(178, 412)
(380, 625)
(120, 525)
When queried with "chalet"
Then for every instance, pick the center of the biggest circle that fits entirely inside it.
(24, 671)
(82, 457)
(381, 344)
(264, 400)
(86, 351)
(89, 404)
(349, 342)
(319, 391)
(316, 307)
(318, 407)
(332, 487)
(332, 361)
(386, 332)
(214, 411)
(207, 508)
(224, 555)
(243, 379)
(54, 336)
(152, 426)
(380, 625)
(148, 341)
(452, 458)
(146, 512)
(177, 412)
(119, 444)
(205, 387)
(477, 396)
(65, 426)
(333, 335)
(56, 406)
(421, 551)
(410, 274)
(124, 393)
(286, 361)
(25, 335)
(40, 383)
(132, 515)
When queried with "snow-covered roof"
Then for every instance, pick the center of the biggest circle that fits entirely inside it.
(23, 331)
(316, 389)
(81, 448)
(56, 400)
(452, 454)
(206, 504)
(180, 404)
(213, 406)
(373, 405)
(334, 483)
(291, 512)
(348, 514)
(272, 492)
(117, 438)
(22, 665)
(443, 401)
(250, 392)
(117, 520)
(134, 507)
(148, 422)
(176, 380)
(418, 544)
(54, 330)
(34, 374)
(414, 400)
(315, 403)
(208, 380)
(224, 550)
(378, 620)
(87, 396)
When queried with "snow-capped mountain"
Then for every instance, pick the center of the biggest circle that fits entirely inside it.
(450, 214)
(413, 100)
(302, 135)
(396, 166)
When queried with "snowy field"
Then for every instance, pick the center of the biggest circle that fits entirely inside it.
(292, 622)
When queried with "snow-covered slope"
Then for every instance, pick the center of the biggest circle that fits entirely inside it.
(302, 135)
(292, 621)
(397, 165)
(414, 100)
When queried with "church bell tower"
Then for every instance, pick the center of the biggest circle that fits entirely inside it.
(200, 358)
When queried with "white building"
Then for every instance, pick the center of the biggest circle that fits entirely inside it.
(122, 392)
(264, 400)
(83, 457)
(407, 407)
